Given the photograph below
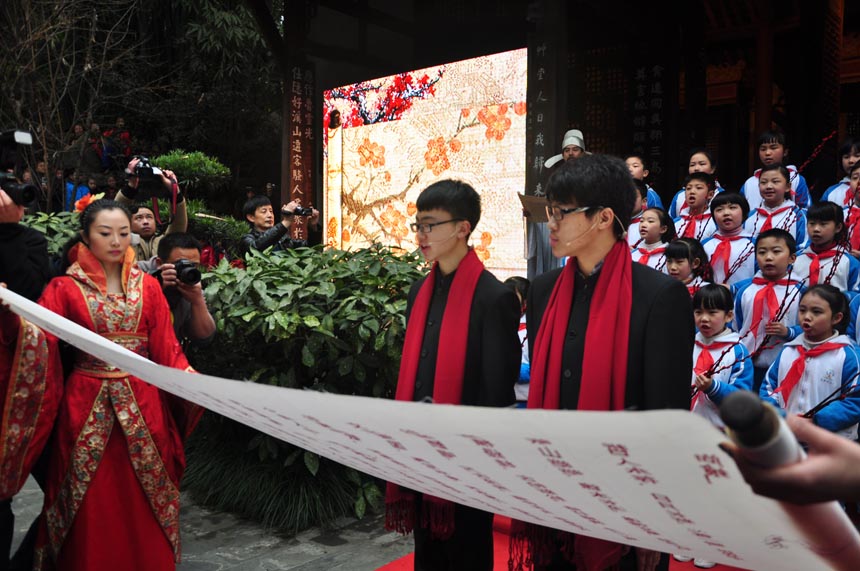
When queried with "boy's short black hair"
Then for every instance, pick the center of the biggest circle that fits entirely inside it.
(642, 188)
(707, 178)
(135, 207)
(836, 300)
(182, 240)
(779, 234)
(850, 145)
(455, 197)
(723, 198)
(597, 181)
(771, 136)
(714, 296)
(641, 158)
(252, 204)
(853, 168)
(519, 285)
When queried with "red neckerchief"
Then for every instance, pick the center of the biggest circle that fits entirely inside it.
(604, 379)
(849, 196)
(768, 223)
(692, 222)
(852, 220)
(646, 253)
(437, 514)
(723, 252)
(815, 265)
(766, 294)
(796, 371)
(705, 361)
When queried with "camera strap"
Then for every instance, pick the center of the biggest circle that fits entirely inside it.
(173, 202)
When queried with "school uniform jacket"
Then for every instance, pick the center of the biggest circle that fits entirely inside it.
(633, 237)
(846, 276)
(695, 285)
(839, 193)
(651, 255)
(652, 199)
(492, 347)
(679, 206)
(744, 293)
(659, 355)
(798, 185)
(742, 246)
(734, 373)
(786, 216)
(821, 377)
(704, 226)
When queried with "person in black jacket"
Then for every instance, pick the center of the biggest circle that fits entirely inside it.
(264, 232)
(24, 263)
(626, 340)
(461, 347)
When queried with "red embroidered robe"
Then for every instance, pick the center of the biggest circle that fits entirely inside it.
(112, 497)
(31, 385)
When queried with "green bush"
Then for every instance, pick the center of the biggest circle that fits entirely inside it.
(200, 176)
(326, 320)
(58, 227)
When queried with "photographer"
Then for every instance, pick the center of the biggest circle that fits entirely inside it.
(176, 267)
(265, 233)
(144, 182)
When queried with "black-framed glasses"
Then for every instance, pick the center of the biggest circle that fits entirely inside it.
(427, 227)
(557, 212)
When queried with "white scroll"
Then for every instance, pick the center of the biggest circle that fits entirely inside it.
(651, 479)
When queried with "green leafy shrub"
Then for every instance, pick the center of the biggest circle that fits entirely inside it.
(199, 176)
(58, 227)
(308, 318)
(211, 228)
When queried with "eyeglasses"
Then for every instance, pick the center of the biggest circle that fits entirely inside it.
(557, 212)
(427, 227)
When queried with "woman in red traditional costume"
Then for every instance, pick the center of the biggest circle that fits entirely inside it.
(116, 454)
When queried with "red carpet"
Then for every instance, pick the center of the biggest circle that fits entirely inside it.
(501, 527)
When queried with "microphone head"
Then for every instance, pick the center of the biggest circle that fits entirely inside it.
(747, 416)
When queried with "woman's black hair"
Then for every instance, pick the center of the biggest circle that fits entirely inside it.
(713, 296)
(519, 285)
(690, 249)
(666, 221)
(826, 211)
(86, 219)
(836, 300)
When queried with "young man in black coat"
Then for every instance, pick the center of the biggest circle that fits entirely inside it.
(461, 347)
(651, 338)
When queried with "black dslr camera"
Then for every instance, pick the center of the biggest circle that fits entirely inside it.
(150, 184)
(21, 194)
(299, 211)
(187, 271)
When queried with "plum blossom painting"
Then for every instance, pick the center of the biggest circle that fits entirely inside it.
(397, 135)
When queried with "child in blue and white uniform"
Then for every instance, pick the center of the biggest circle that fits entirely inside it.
(687, 262)
(826, 260)
(696, 222)
(766, 305)
(731, 250)
(776, 210)
(520, 286)
(638, 168)
(701, 160)
(813, 366)
(841, 192)
(633, 237)
(772, 151)
(656, 230)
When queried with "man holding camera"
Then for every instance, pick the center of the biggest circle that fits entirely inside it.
(145, 181)
(177, 268)
(265, 233)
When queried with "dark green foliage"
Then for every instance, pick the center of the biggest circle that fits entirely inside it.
(308, 318)
(57, 227)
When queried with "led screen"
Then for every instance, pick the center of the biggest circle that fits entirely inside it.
(464, 120)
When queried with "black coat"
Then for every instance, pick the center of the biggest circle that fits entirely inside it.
(660, 352)
(24, 264)
(493, 351)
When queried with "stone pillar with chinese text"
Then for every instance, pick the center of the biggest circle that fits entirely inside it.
(301, 140)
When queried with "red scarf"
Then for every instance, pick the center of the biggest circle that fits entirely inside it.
(646, 254)
(849, 196)
(436, 513)
(852, 221)
(604, 379)
(723, 253)
(691, 223)
(768, 223)
(815, 265)
(705, 361)
(766, 294)
(796, 371)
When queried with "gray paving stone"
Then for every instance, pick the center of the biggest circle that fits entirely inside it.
(213, 541)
